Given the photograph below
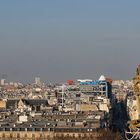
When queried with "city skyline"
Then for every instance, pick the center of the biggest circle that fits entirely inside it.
(63, 40)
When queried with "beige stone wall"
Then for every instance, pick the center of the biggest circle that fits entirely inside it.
(88, 107)
(2, 104)
(29, 135)
(43, 135)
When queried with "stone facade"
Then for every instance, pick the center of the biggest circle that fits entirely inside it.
(43, 135)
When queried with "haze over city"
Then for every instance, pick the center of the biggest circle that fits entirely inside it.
(60, 40)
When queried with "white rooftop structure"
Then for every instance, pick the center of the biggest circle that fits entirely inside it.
(84, 80)
(102, 78)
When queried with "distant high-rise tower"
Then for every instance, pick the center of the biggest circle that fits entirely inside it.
(2, 82)
(37, 81)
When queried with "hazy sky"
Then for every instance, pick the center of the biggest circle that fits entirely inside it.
(69, 39)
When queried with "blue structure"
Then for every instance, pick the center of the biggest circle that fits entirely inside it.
(97, 82)
(96, 87)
